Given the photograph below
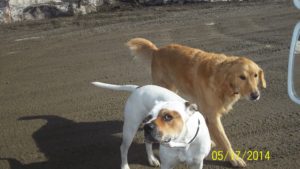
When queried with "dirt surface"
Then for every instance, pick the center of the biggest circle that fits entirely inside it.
(51, 117)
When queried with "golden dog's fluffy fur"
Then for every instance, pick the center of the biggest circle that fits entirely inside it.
(214, 81)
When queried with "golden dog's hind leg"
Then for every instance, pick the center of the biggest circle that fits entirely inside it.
(219, 136)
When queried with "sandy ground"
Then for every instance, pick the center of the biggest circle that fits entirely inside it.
(51, 117)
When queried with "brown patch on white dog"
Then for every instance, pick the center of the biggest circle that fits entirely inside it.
(169, 123)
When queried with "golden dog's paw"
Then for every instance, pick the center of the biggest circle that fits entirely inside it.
(213, 144)
(236, 161)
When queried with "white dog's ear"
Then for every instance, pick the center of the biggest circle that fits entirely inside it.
(191, 108)
(147, 119)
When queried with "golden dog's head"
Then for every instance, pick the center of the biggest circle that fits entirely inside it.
(243, 77)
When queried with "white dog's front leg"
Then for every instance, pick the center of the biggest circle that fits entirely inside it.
(151, 158)
(168, 158)
(166, 166)
(198, 165)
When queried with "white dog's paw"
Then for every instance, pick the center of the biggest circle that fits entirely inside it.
(238, 162)
(126, 166)
(154, 161)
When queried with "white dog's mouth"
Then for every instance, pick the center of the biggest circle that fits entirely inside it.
(149, 138)
(154, 138)
(152, 134)
(166, 141)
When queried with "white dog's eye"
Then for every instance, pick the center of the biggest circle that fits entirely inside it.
(255, 75)
(167, 117)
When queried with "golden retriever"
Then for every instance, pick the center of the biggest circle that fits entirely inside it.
(214, 81)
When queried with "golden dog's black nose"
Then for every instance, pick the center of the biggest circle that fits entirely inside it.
(254, 95)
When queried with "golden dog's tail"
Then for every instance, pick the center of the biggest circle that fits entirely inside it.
(141, 48)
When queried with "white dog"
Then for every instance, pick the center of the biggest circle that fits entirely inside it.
(168, 119)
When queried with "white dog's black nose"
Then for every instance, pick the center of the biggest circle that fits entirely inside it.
(254, 95)
(149, 127)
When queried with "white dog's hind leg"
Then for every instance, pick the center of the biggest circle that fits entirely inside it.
(151, 158)
(129, 131)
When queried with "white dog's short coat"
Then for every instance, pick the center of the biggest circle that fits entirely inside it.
(183, 137)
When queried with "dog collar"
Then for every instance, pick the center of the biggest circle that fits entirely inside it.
(178, 144)
(196, 133)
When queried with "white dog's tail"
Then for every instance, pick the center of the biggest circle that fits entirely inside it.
(129, 88)
(142, 48)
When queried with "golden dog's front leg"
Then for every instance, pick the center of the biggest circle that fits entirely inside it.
(219, 136)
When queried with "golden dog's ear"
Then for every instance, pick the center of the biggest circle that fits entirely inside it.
(262, 78)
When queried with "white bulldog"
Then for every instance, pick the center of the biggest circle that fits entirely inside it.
(168, 119)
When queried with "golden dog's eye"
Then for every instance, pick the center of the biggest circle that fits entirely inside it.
(255, 75)
(167, 117)
(243, 77)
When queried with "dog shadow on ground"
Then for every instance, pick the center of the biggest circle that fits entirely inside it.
(85, 145)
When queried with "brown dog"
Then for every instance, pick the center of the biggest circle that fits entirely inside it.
(214, 81)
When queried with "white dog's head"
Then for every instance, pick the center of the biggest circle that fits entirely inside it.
(167, 121)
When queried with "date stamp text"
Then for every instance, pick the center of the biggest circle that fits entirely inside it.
(249, 155)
